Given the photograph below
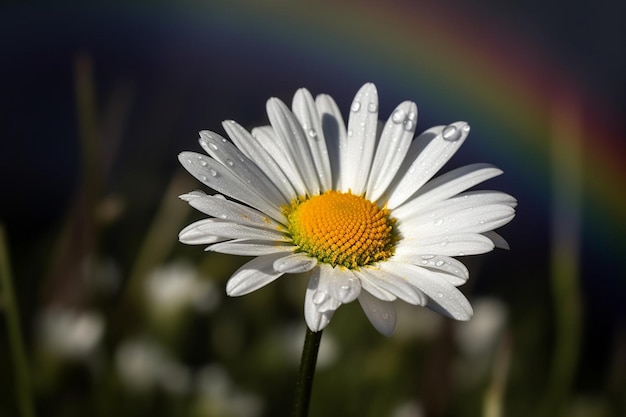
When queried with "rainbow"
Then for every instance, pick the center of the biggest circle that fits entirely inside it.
(477, 70)
(455, 63)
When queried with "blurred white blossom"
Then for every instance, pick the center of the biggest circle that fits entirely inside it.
(177, 286)
(218, 396)
(142, 364)
(70, 333)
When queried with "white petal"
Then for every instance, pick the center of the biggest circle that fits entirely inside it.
(343, 285)
(368, 284)
(362, 127)
(335, 133)
(415, 214)
(450, 245)
(447, 185)
(275, 147)
(428, 153)
(217, 206)
(289, 131)
(253, 275)
(254, 150)
(497, 240)
(250, 247)
(240, 165)
(305, 110)
(385, 277)
(295, 263)
(469, 220)
(392, 148)
(194, 235)
(440, 292)
(218, 177)
(230, 230)
(451, 269)
(382, 314)
(319, 307)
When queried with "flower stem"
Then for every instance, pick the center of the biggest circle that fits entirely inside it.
(304, 384)
(16, 340)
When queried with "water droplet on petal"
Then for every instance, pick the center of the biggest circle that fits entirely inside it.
(312, 133)
(372, 107)
(319, 297)
(203, 177)
(203, 162)
(212, 146)
(466, 128)
(356, 106)
(439, 263)
(350, 133)
(189, 161)
(438, 221)
(398, 116)
(444, 243)
(229, 162)
(424, 262)
(213, 173)
(440, 294)
(428, 256)
(451, 133)
(408, 125)
(411, 116)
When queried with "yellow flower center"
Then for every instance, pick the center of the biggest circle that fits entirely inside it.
(341, 229)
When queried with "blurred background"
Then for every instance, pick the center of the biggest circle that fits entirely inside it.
(118, 318)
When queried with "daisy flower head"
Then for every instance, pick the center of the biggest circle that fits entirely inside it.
(355, 207)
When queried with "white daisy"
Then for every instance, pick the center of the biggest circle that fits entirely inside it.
(354, 207)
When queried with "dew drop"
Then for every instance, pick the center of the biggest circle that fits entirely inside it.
(229, 162)
(412, 116)
(398, 116)
(424, 262)
(466, 128)
(438, 221)
(203, 177)
(312, 133)
(356, 106)
(213, 173)
(408, 125)
(451, 133)
(319, 297)
(372, 107)
(440, 294)
(439, 263)
(203, 162)
(189, 161)
(212, 146)
(444, 243)
(428, 256)
(350, 133)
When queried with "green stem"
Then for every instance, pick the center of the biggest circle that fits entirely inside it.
(304, 384)
(16, 340)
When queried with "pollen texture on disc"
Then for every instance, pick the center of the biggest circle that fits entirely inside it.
(341, 229)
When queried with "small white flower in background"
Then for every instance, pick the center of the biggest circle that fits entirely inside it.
(479, 340)
(176, 286)
(218, 396)
(481, 335)
(70, 333)
(356, 207)
(142, 365)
